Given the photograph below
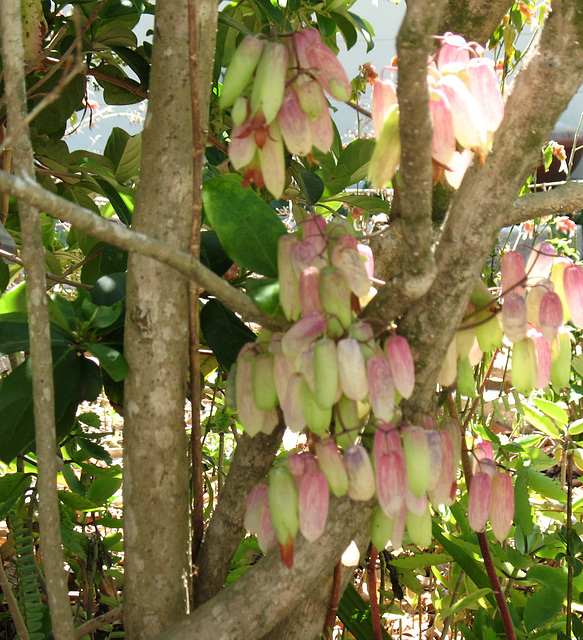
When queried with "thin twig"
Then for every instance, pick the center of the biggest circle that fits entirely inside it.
(335, 600)
(96, 623)
(12, 603)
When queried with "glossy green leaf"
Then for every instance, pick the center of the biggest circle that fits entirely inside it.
(347, 29)
(326, 25)
(365, 29)
(549, 576)
(224, 333)
(464, 602)
(103, 488)
(125, 152)
(116, 201)
(52, 120)
(355, 614)
(542, 607)
(137, 64)
(77, 502)
(420, 560)
(4, 276)
(265, 293)
(14, 334)
(73, 481)
(12, 486)
(576, 427)
(14, 300)
(109, 289)
(553, 410)
(312, 186)
(370, 204)
(541, 422)
(110, 359)
(247, 227)
(93, 450)
(212, 254)
(522, 509)
(546, 486)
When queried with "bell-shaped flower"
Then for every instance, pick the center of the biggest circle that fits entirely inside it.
(513, 273)
(384, 98)
(361, 482)
(390, 471)
(283, 369)
(258, 517)
(289, 282)
(284, 507)
(381, 388)
(402, 365)
(417, 459)
(458, 166)
(534, 299)
(325, 372)
(416, 505)
(386, 156)
(470, 131)
(560, 264)
(309, 253)
(381, 526)
(310, 97)
(440, 494)
(573, 287)
(514, 318)
(419, 528)
(322, 131)
(331, 463)
(352, 369)
(561, 360)
(313, 502)
(292, 404)
(524, 366)
(269, 82)
(240, 71)
(453, 54)
(398, 528)
(336, 300)
(310, 298)
(264, 382)
(550, 315)
(303, 333)
(502, 505)
(543, 357)
(443, 146)
(435, 452)
(366, 253)
(317, 420)
(294, 124)
(350, 263)
(249, 414)
(485, 88)
(314, 231)
(479, 501)
(272, 161)
(540, 262)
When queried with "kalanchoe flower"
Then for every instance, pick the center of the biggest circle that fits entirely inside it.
(294, 124)
(361, 483)
(310, 96)
(317, 420)
(386, 156)
(514, 318)
(322, 130)
(351, 265)
(540, 262)
(381, 388)
(351, 369)
(241, 69)
(303, 333)
(524, 366)
(258, 517)
(381, 526)
(292, 404)
(417, 458)
(335, 294)
(550, 315)
(284, 506)
(543, 357)
(310, 298)
(402, 365)
(479, 501)
(557, 273)
(534, 299)
(264, 382)
(325, 372)
(384, 98)
(366, 252)
(269, 83)
(250, 415)
(561, 361)
(441, 493)
(313, 500)
(282, 371)
(435, 450)
(331, 462)
(390, 470)
(415, 505)
(573, 287)
(419, 528)
(485, 88)
(454, 50)
(513, 273)
(289, 285)
(502, 506)
(443, 145)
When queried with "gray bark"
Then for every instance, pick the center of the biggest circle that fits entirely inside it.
(156, 486)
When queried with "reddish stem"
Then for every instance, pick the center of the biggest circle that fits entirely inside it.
(372, 592)
(333, 610)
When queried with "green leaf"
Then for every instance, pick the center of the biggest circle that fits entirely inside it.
(265, 293)
(137, 63)
(549, 576)
(576, 427)
(326, 25)
(346, 29)
(103, 488)
(4, 276)
(464, 602)
(212, 254)
(73, 481)
(370, 204)
(52, 120)
(522, 510)
(356, 156)
(109, 289)
(546, 486)
(226, 19)
(224, 333)
(125, 153)
(420, 560)
(365, 29)
(14, 300)
(77, 502)
(541, 422)
(101, 317)
(12, 486)
(247, 227)
(14, 334)
(312, 186)
(542, 607)
(556, 413)
(93, 450)
(116, 201)
(355, 614)
(110, 359)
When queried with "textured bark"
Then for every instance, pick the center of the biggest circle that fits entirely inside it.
(156, 489)
(269, 591)
(474, 19)
(33, 254)
(251, 462)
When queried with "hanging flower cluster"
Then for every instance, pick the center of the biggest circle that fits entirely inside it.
(491, 493)
(465, 105)
(538, 298)
(329, 375)
(276, 91)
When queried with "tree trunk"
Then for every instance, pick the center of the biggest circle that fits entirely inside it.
(156, 489)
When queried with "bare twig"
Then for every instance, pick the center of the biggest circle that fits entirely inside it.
(371, 578)
(12, 603)
(96, 623)
(87, 221)
(40, 344)
(333, 609)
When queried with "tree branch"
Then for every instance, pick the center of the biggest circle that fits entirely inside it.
(474, 19)
(33, 253)
(563, 200)
(251, 462)
(87, 221)
(269, 590)
(414, 44)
